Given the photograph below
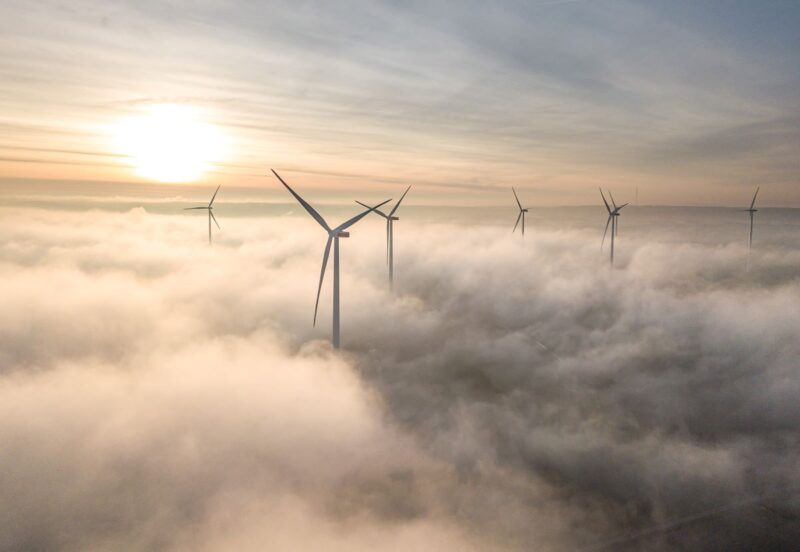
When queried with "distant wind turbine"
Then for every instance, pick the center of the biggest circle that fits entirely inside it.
(333, 236)
(210, 209)
(521, 215)
(752, 210)
(613, 214)
(390, 218)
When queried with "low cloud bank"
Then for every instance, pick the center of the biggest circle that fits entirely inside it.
(157, 393)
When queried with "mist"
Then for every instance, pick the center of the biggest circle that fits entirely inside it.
(160, 394)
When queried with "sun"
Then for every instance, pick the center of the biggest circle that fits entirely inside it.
(169, 143)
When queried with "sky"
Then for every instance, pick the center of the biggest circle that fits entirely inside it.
(688, 102)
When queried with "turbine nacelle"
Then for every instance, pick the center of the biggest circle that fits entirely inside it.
(342, 234)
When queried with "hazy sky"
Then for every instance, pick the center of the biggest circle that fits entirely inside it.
(692, 102)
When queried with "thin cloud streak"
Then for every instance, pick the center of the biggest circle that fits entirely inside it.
(570, 97)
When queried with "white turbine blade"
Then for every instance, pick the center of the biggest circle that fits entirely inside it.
(210, 212)
(210, 203)
(399, 202)
(193, 208)
(605, 232)
(306, 206)
(621, 206)
(377, 211)
(604, 199)
(358, 217)
(515, 197)
(614, 203)
(515, 225)
(752, 203)
(322, 274)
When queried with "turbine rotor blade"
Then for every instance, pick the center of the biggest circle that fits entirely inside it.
(604, 200)
(515, 225)
(193, 208)
(210, 203)
(381, 213)
(322, 274)
(614, 203)
(210, 212)
(605, 232)
(621, 206)
(515, 197)
(399, 202)
(306, 206)
(752, 203)
(358, 217)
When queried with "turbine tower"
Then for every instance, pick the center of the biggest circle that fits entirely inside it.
(521, 215)
(390, 218)
(613, 214)
(333, 236)
(210, 209)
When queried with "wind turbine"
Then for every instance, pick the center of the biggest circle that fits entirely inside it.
(752, 210)
(333, 236)
(521, 213)
(210, 209)
(613, 214)
(390, 218)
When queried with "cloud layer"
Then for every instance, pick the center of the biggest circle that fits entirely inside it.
(158, 394)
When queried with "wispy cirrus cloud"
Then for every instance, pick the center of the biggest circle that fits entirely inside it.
(570, 94)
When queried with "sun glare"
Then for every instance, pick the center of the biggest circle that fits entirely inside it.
(169, 143)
